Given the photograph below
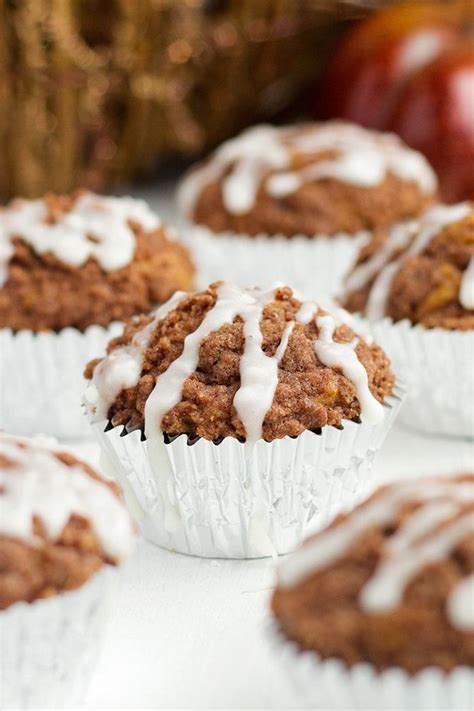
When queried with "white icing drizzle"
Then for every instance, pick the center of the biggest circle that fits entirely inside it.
(96, 227)
(258, 371)
(466, 291)
(41, 485)
(412, 238)
(441, 522)
(363, 158)
(121, 368)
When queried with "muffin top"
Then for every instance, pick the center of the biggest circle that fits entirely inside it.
(391, 583)
(422, 270)
(84, 259)
(243, 363)
(309, 179)
(60, 522)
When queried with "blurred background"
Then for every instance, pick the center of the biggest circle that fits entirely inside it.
(103, 93)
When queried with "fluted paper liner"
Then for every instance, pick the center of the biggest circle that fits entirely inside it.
(437, 367)
(330, 684)
(315, 266)
(41, 379)
(232, 502)
(49, 646)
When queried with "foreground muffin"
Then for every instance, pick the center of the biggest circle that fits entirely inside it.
(63, 531)
(230, 366)
(85, 259)
(416, 284)
(330, 182)
(389, 584)
(70, 267)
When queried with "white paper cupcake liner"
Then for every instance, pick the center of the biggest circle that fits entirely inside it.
(48, 647)
(437, 367)
(330, 684)
(315, 266)
(227, 501)
(41, 379)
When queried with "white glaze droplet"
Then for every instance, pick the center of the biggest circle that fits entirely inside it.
(434, 529)
(363, 158)
(96, 227)
(461, 605)
(122, 367)
(41, 485)
(466, 292)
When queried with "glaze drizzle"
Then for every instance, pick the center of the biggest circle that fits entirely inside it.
(95, 227)
(409, 238)
(39, 484)
(263, 156)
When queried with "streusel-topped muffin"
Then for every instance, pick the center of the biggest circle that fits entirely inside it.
(245, 414)
(308, 179)
(84, 259)
(391, 582)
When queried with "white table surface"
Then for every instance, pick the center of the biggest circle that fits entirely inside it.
(189, 633)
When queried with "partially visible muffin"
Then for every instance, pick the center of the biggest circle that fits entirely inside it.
(390, 583)
(422, 270)
(241, 363)
(310, 179)
(84, 259)
(60, 522)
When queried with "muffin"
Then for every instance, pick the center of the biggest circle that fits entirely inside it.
(389, 585)
(71, 266)
(415, 283)
(63, 532)
(300, 198)
(248, 416)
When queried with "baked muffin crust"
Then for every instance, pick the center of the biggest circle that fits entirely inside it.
(297, 390)
(129, 263)
(388, 583)
(309, 179)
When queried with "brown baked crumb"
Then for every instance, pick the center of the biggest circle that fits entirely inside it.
(43, 293)
(308, 396)
(322, 613)
(425, 289)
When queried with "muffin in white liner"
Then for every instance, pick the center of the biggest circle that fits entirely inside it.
(41, 379)
(70, 268)
(375, 611)
(298, 200)
(416, 291)
(63, 534)
(233, 374)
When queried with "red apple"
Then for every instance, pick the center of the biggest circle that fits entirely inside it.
(409, 69)
(435, 114)
(376, 58)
